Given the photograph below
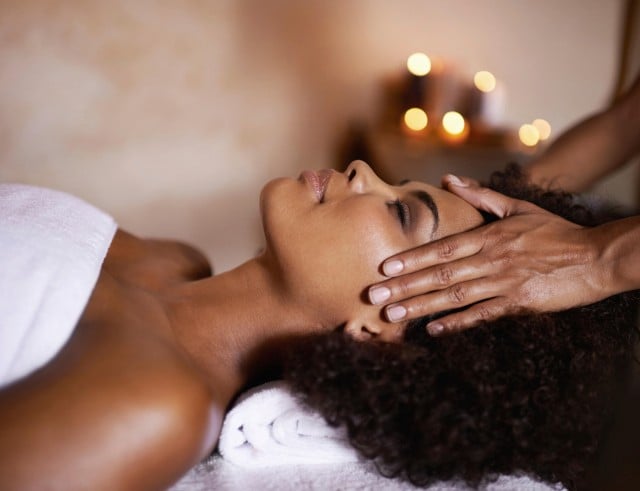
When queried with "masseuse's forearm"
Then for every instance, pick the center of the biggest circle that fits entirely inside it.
(594, 148)
(619, 258)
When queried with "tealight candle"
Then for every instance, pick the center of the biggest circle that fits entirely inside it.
(454, 129)
(416, 119)
(419, 64)
(543, 127)
(529, 135)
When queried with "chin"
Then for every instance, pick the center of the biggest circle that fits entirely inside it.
(269, 193)
(275, 204)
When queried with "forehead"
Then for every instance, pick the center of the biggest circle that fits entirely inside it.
(455, 214)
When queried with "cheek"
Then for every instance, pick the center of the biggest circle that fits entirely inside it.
(368, 245)
(340, 265)
(325, 255)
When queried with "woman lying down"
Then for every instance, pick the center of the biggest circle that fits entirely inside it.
(129, 390)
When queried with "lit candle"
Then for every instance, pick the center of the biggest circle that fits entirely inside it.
(486, 100)
(529, 135)
(416, 119)
(543, 127)
(419, 67)
(419, 64)
(454, 129)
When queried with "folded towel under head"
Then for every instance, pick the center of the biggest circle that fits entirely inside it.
(268, 426)
(279, 443)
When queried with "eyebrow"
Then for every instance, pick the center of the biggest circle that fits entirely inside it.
(426, 199)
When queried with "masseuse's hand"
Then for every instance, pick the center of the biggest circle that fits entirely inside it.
(530, 260)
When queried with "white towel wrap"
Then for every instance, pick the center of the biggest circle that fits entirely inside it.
(269, 427)
(52, 246)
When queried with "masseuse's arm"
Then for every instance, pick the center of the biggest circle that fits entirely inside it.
(593, 148)
(530, 260)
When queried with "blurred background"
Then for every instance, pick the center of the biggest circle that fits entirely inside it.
(171, 115)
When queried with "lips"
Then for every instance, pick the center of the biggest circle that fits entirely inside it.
(318, 181)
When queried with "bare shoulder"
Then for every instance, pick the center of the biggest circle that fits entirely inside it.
(115, 412)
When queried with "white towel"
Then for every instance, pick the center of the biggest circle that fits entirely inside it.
(269, 427)
(216, 473)
(51, 250)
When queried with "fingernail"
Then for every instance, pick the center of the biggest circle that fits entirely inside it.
(435, 328)
(392, 267)
(396, 313)
(379, 294)
(456, 181)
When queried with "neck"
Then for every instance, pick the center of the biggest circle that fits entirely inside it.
(236, 326)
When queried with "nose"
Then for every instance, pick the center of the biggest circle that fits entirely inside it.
(363, 179)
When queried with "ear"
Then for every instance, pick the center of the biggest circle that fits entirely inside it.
(362, 330)
(369, 324)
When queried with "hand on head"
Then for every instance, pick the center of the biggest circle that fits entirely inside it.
(528, 260)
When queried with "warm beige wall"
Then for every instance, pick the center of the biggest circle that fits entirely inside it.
(171, 114)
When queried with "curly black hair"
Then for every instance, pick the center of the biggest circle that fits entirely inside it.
(532, 393)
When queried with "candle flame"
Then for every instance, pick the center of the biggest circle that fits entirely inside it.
(416, 119)
(529, 135)
(484, 81)
(543, 127)
(419, 64)
(453, 123)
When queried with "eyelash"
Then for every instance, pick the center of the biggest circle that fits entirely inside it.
(403, 212)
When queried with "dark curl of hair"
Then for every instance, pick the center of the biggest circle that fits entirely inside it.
(530, 394)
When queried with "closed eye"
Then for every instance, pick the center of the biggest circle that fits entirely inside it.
(402, 210)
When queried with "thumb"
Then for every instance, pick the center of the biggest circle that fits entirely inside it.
(484, 199)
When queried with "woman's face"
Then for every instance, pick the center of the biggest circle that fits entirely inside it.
(327, 234)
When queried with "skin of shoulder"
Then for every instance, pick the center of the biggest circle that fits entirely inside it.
(118, 408)
(122, 414)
